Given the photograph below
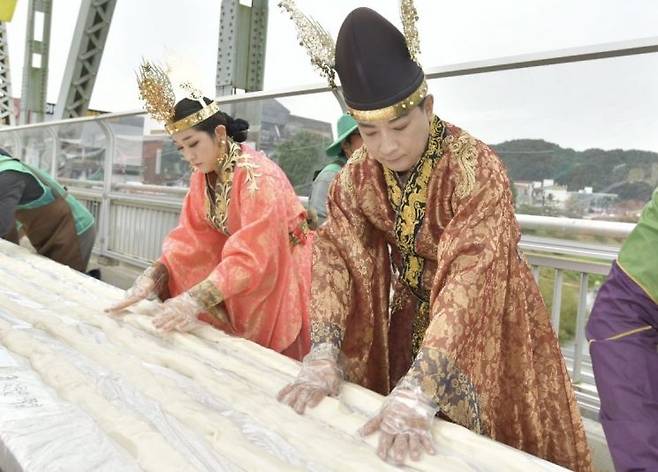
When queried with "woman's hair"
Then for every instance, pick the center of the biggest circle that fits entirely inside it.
(236, 128)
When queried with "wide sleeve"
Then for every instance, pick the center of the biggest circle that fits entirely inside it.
(193, 244)
(254, 254)
(351, 278)
(338, 250)
(469, 290)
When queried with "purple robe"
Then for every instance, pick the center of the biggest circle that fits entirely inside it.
(626, 370)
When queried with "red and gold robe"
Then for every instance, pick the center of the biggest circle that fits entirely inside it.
(466, 317)
(242, 244)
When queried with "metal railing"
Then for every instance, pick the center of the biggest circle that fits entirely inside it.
(582, 261)
(134, 217)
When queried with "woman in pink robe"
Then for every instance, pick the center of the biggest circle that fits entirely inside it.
(240, 257)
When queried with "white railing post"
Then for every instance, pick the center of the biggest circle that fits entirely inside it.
(580, 328)
(535, 273)
(18, 147)
(53, 157)
(105, 211)
(557, 301)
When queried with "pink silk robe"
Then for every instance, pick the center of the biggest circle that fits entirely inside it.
(260, 277)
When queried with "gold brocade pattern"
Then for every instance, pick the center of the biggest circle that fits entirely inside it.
(210, 298)
(420, 324)
(455, 394)
(359, 155)
(218, 196)
(464, 148)
(326, 333)
(207, 294)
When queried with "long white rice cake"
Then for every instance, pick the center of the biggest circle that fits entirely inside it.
(196, 401)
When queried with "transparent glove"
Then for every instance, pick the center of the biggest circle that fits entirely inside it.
(404, 424)
(320, 376)
(146, 286)
(179, 314)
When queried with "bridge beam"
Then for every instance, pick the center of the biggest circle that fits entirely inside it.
(35, 65)
(242, 41)
(91, 30)
(6, 102)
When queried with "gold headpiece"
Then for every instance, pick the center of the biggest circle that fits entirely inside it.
(157, 93)
(392, 111)
(322, 51)
(314, 38)
(322, 48)
(409, 17)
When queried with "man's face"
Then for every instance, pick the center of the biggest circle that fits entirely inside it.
(398, 144)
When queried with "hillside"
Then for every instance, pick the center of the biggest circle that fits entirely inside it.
(632, 174)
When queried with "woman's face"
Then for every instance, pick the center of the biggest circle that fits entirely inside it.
(200, 149)
(398, 144)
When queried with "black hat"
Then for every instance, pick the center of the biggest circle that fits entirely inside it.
(380, 79)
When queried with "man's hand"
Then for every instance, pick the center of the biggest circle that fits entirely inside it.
(320, 376)
(404, 424)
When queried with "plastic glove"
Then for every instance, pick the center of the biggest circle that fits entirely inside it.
(320, 376)
(179, 313)
(146, 286)
(404, 424)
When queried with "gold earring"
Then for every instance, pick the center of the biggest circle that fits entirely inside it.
(220, 159)
(222, 152)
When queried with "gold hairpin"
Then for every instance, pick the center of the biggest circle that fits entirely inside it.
(409, 18)
(318, 43)
(157, 93)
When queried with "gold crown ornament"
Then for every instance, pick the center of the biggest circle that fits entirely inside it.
(321, 49)
(157, 93)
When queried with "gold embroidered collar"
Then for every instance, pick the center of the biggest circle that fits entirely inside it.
(218, 197)
(409, 203)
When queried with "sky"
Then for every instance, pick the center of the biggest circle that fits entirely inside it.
(606, 104)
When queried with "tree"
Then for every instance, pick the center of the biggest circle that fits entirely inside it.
(300, 156)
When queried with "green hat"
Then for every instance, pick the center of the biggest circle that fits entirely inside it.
(344, 128)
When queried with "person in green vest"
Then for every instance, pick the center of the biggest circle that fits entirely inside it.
(58, 226)
(348, 141)
(623, 334)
